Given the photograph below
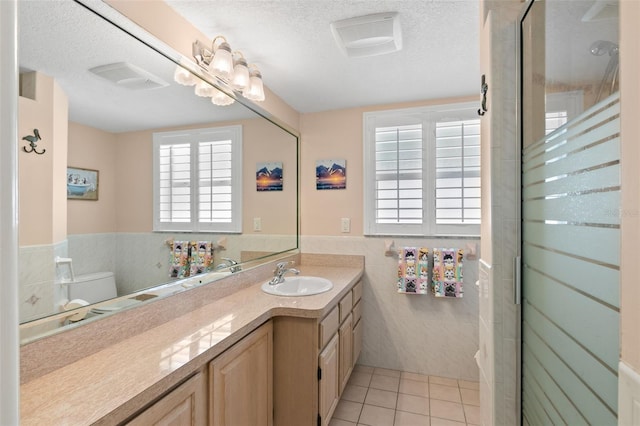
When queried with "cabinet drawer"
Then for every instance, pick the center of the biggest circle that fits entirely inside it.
(357, 292)
(346, 304)
(357, 312)
(329, 326)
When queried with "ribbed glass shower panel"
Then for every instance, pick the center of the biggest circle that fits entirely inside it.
(570, 274)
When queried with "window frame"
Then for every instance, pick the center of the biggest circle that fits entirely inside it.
(427, 116)
(194, 137)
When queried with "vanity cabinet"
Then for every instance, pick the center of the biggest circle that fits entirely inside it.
(241, 382)
(313, 360)
(185, 405)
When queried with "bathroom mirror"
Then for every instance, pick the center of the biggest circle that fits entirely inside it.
(90, 123)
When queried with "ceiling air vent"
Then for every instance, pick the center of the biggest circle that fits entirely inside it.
(600, 10)
(368, 35)
(129, 76)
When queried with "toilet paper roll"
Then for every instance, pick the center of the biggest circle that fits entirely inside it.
(75, 304)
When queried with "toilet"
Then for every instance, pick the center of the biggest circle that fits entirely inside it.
(94, 287)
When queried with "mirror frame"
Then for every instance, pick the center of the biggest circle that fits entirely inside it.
(121, 22)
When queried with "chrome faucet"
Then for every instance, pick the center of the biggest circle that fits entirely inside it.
(281, 269)
(230, 263)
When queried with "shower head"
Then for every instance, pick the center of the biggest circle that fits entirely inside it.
(600, 47)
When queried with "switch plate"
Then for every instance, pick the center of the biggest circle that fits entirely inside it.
(257, 224)
(345, 224)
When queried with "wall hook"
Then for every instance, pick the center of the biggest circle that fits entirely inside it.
(33, 140)
(484, 87)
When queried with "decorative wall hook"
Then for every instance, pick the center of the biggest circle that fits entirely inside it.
(33, 140)
(484, 87)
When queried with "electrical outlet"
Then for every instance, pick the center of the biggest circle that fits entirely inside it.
(257, 224)
(345, 224)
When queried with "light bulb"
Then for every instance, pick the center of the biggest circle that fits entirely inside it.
(204, 89)
(255, 91)
(220, 98)
(222, 62)
(184, 77)
(241, 77)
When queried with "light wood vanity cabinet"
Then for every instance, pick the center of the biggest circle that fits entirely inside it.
(241, 382)
(313, 360)
(239, 385)
(185, 405)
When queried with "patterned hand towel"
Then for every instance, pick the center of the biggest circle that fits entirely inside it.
(447, 272)
(179, 260)
(413, 270)
(201, 259)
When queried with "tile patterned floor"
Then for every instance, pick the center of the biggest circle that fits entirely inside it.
(381, 397)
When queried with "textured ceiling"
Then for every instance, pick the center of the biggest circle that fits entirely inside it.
(291, 42)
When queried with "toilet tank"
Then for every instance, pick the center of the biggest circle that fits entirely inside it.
(94, 287)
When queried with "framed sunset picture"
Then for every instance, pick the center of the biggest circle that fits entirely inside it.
(269, 176)
(331, 174)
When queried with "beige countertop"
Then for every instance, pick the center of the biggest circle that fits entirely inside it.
(110, 385)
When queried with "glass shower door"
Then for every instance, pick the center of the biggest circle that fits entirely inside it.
(570, 128)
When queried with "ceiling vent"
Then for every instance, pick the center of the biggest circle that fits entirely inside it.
(129, 76)
(368, 35)
(601, 9)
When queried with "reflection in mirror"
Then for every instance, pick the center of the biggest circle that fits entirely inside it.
(88, 122)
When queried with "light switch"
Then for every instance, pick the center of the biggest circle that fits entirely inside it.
(257, 224)
(345, 224)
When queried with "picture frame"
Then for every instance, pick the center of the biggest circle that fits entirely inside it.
(331, 174)
(269, 176)
(82, 184)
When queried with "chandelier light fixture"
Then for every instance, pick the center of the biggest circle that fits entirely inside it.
(229, 66)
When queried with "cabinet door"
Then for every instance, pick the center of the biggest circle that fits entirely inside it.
(357, 341)
(241, 382)
(346, 355)
(185, 405)
(328, 385)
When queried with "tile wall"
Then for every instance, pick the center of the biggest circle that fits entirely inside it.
(412, 333)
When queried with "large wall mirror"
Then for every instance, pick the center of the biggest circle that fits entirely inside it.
(87, 123)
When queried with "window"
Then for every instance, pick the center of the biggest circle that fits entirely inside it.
(422, 171)
(197, 180)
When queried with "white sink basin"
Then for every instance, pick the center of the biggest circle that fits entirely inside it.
(299, 286)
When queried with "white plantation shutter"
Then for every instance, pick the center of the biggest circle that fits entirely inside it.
(458, 172)
(196, 174)
(422, 171)
(398, 174)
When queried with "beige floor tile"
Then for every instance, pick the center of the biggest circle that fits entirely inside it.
(410, 419)
(444, 422)
(470, 396)
(338, 422)
(384, 382)
(360, 379)
(464, 384)
(376, 416)
(386, 372)
(445, 393)
(472, 414)
(413, 404)
(347, 410)
(437, 380)
(354, 393)
(446, 410)
(381, 398)
(414, 376)
(413, 387)
(363, 368)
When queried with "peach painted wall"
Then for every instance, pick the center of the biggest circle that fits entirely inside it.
(262, 142)
(337, 134)
(163, 22)
(90, 148)
(630, 134)
(42, 187)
